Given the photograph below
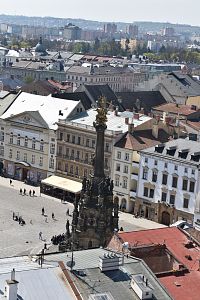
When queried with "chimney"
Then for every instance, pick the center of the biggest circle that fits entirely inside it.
(116, 111)
(126, 121)
(11, 287)
(155, 130)
(136, 116)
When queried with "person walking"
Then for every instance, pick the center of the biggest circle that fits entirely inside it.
(20, 191)
(40, 235)
(24, 191)
(33, 193)
(30, 193)
(68, 212)
(13, 215)
(43, 211)
(10, 182)
(53, 216)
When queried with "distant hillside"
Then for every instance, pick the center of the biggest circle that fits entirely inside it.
(88, 24)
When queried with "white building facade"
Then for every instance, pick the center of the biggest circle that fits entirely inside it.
(168, 182)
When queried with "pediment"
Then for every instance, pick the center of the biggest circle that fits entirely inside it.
(32, 118)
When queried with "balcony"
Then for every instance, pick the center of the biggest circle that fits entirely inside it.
(132, 193)
(134, 176)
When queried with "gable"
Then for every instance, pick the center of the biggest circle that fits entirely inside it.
(31, 118)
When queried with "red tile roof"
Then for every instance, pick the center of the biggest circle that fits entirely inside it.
(181, 109)
(181, 287)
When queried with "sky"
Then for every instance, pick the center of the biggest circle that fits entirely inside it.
(173, 11)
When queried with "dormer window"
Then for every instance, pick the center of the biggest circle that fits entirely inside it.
(195, 156)
(171, 150)
(159, 148)
(183, 153)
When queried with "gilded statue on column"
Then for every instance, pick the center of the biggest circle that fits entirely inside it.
(101, 117)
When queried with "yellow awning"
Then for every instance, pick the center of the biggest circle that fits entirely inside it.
(63, 184)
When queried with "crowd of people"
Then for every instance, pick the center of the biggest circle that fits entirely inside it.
(19, 219)
(23, 192)
(57, 239)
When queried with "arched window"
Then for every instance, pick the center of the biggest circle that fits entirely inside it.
(11, 138)
(125, 182)
(116, 180)
(41, 145)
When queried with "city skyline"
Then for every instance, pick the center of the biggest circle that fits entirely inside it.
(173, 11)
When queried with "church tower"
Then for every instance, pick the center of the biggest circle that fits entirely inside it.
(95, 216)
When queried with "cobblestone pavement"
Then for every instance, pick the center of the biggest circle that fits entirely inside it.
(18, 240)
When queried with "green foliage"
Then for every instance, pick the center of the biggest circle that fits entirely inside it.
(28, 79)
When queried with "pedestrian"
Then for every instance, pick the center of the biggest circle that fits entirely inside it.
(68, 212)
(24, 191)
(20, 191)
(33, 193)
(13, 215)
(30, 193)
(43, 211)
(10, 182)
(40, 235)
(45, 246)
(53, 216)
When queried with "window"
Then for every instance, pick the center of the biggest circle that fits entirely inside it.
(164, 197)
(66, 168)
(151, 193)
(164, 179)
(86, 157)
(41, 161)
(72, 154)
(93, 143)
(155, 162)
(2, 136)
(87, 143)
(146, 160)
(78, 154)
(73, 139)
(85, 172)
(18, 155)
(117, 180)
(68, 137)
(174, 181)
(41, 145)
(18, 140)
(186, 170)
(145, 173)
(118, 167)
(125, 169)
(26, 141)
(193, 171)
(25, 157)
(67, 152)
(165, 165)
(76, 171)
(192, 186)
(172, 199)
(185, 202)
(52, 148)
(61, 136)
(146, 192)
(125, 183)
(175, 168)
(79, 140)
(185, 184)
(10, 153)
(106, 163)
(33, 159)
(51, 163)
(2, 152)
(11, 138)
(127, 156)
(33, 143)
(107, 147)
(118, 154)
(71, 170)
(154, 175)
